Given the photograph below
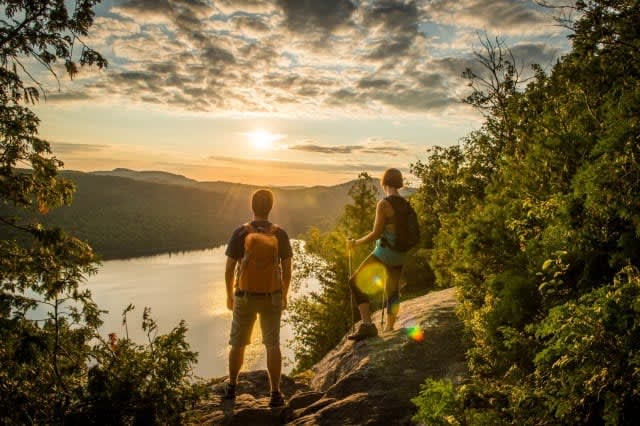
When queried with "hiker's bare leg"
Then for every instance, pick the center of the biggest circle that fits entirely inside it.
(393, 300)
(391, 320)
(236, 357)
(274, 366)
(361, 299)
(365, 312)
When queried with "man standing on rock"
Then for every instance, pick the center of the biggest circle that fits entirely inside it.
(257, 277)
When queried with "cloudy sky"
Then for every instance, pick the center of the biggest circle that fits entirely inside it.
(285, 92)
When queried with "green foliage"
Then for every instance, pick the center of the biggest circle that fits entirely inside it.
(358, 217)
(590, 363)
(43, 359)
(48, 32)
(49, 371)
(441, 403)
(536, 220)
(436, 403)
(131, 383)
(322, 318)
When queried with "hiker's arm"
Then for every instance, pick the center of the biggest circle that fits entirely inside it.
(286, 280)
(229, 275)
(378, 225)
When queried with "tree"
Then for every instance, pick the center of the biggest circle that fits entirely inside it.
(43, 358)
(48, 321)
(541, 255)
(323, 317)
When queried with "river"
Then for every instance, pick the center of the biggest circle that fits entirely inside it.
(187, 286)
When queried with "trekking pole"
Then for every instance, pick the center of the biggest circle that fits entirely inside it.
(384, 302)
(353, 315)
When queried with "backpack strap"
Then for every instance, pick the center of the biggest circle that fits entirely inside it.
(274, 230)
(248, 229)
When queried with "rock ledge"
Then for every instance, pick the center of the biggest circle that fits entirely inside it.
(358, 383)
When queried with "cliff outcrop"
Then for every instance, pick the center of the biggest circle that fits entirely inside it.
(369, 382)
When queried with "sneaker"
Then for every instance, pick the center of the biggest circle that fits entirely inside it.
(276, 400)
(229, 391)
(365, 330)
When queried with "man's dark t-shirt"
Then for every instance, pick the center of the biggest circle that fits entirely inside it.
(235, 247)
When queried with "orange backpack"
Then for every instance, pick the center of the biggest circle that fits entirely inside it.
(259, 270)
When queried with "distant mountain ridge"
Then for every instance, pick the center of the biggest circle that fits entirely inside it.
(148, 176)
(125, 213)
(176, 179)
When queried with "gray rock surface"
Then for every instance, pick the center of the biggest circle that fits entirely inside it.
(369, 382)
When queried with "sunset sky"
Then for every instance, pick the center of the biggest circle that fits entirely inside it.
(282, 92)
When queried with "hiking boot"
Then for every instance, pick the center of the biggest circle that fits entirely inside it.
(365, 330)
(276, 400)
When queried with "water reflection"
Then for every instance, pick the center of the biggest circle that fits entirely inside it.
(187, 286)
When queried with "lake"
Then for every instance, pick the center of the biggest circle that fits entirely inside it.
(187, 286)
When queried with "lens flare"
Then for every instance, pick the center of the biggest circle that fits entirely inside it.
(415, 333)
(371, 279)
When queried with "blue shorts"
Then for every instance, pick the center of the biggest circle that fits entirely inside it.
(389, 256)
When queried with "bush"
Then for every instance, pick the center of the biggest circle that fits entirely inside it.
(589, 369)
(437, 404)
(140, 384)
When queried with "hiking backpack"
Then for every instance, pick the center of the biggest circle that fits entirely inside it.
(406, 223)
(259, 270)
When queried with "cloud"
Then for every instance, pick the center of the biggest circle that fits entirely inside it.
(372, 146)
(387, 147)
(316, 16)
(244, 6)
(498, 16)
(250, 25)
(183, 12)
(394, 28)
(299, 57)
(535, 53)
(323, 149)
(67, 96)
(66, 148)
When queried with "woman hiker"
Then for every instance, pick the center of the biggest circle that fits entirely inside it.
(381, 270)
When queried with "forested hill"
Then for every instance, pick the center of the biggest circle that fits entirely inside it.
(123, 217)
(125, 213)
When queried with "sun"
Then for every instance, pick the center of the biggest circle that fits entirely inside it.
(262, 139)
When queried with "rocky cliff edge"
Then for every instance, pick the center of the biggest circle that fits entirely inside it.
(369, 382)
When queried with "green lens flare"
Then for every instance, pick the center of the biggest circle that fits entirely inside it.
(415, 333)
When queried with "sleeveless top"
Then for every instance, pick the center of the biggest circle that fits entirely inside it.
(387, 255)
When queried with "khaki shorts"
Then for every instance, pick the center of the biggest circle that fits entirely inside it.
(245, 310)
